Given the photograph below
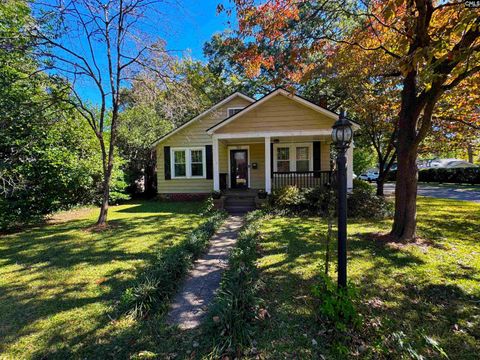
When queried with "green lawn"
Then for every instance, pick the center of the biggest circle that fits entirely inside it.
(422, 290)
(59, 283)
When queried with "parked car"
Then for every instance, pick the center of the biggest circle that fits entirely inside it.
(450, 163)
(459, 164)
(370, 175)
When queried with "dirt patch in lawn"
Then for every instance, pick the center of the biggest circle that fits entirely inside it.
(387, 240)
(65, 216)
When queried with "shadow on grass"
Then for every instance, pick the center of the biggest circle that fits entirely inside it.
(180, 207)
(38, 254)
(410, 300)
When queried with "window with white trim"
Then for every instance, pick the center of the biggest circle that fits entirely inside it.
(302, 158)
(293, 157)
(188, 162)
(233, 111)
(196, 162)
(179, 163)
(283, 159)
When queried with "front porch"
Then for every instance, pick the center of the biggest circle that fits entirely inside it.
(271, 160)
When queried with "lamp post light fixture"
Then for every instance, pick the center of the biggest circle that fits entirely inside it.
(342, 135)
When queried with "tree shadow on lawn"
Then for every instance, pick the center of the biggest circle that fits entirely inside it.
(444, 312)
(177, 207)
(403, 294)
(150, 337)
(289, 266)
(440, 218)
(43, 252)
(58, 248)
(413, 304)
(290, 240)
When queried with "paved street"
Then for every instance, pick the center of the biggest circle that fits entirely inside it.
(444, 191)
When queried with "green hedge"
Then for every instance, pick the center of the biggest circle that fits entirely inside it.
(469, 175)
(160, 281)
(362, 201)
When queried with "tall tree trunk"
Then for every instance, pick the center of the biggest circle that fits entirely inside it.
(107, 173)
(102, 218)
(404, 223)
(380, 185)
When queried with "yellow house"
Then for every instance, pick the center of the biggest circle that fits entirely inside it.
(243, 143)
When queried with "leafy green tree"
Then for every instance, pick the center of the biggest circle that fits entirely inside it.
(111, 46)
(430, 46)
(139, 126)
(48, 159)
(363, 159)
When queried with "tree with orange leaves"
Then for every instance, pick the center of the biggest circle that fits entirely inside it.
(430, 46)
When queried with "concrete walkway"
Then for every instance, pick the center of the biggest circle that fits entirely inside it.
(190, 305)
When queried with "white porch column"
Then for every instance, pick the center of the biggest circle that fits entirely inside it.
(216, 172)
(350, 166)
(268, 166)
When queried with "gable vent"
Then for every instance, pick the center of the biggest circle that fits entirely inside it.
(233, 111)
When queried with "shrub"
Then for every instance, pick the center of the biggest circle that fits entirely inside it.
(362, 201)
(287, 198)
(363, 185)
(319, 199)
(336, 306)
(160, 281)
(456, 175)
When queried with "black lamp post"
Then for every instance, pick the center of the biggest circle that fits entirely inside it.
(342, 136)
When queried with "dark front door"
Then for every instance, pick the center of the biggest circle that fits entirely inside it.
(239, 169)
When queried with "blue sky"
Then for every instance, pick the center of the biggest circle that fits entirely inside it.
(185, 25)
(192, 23)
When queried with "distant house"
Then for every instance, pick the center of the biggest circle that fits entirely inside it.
(243, 143)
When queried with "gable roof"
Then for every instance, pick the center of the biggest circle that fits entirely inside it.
(206, 112)
(330, 114)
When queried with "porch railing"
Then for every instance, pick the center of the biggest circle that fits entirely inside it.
(302, 179)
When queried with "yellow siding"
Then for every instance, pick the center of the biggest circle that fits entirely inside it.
(279, 113)
(222, 158)
(257, 176)
(193, 135)
(325, 156)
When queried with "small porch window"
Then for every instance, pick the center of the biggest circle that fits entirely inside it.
(283, 159)
(293, 157)
(303, 158)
